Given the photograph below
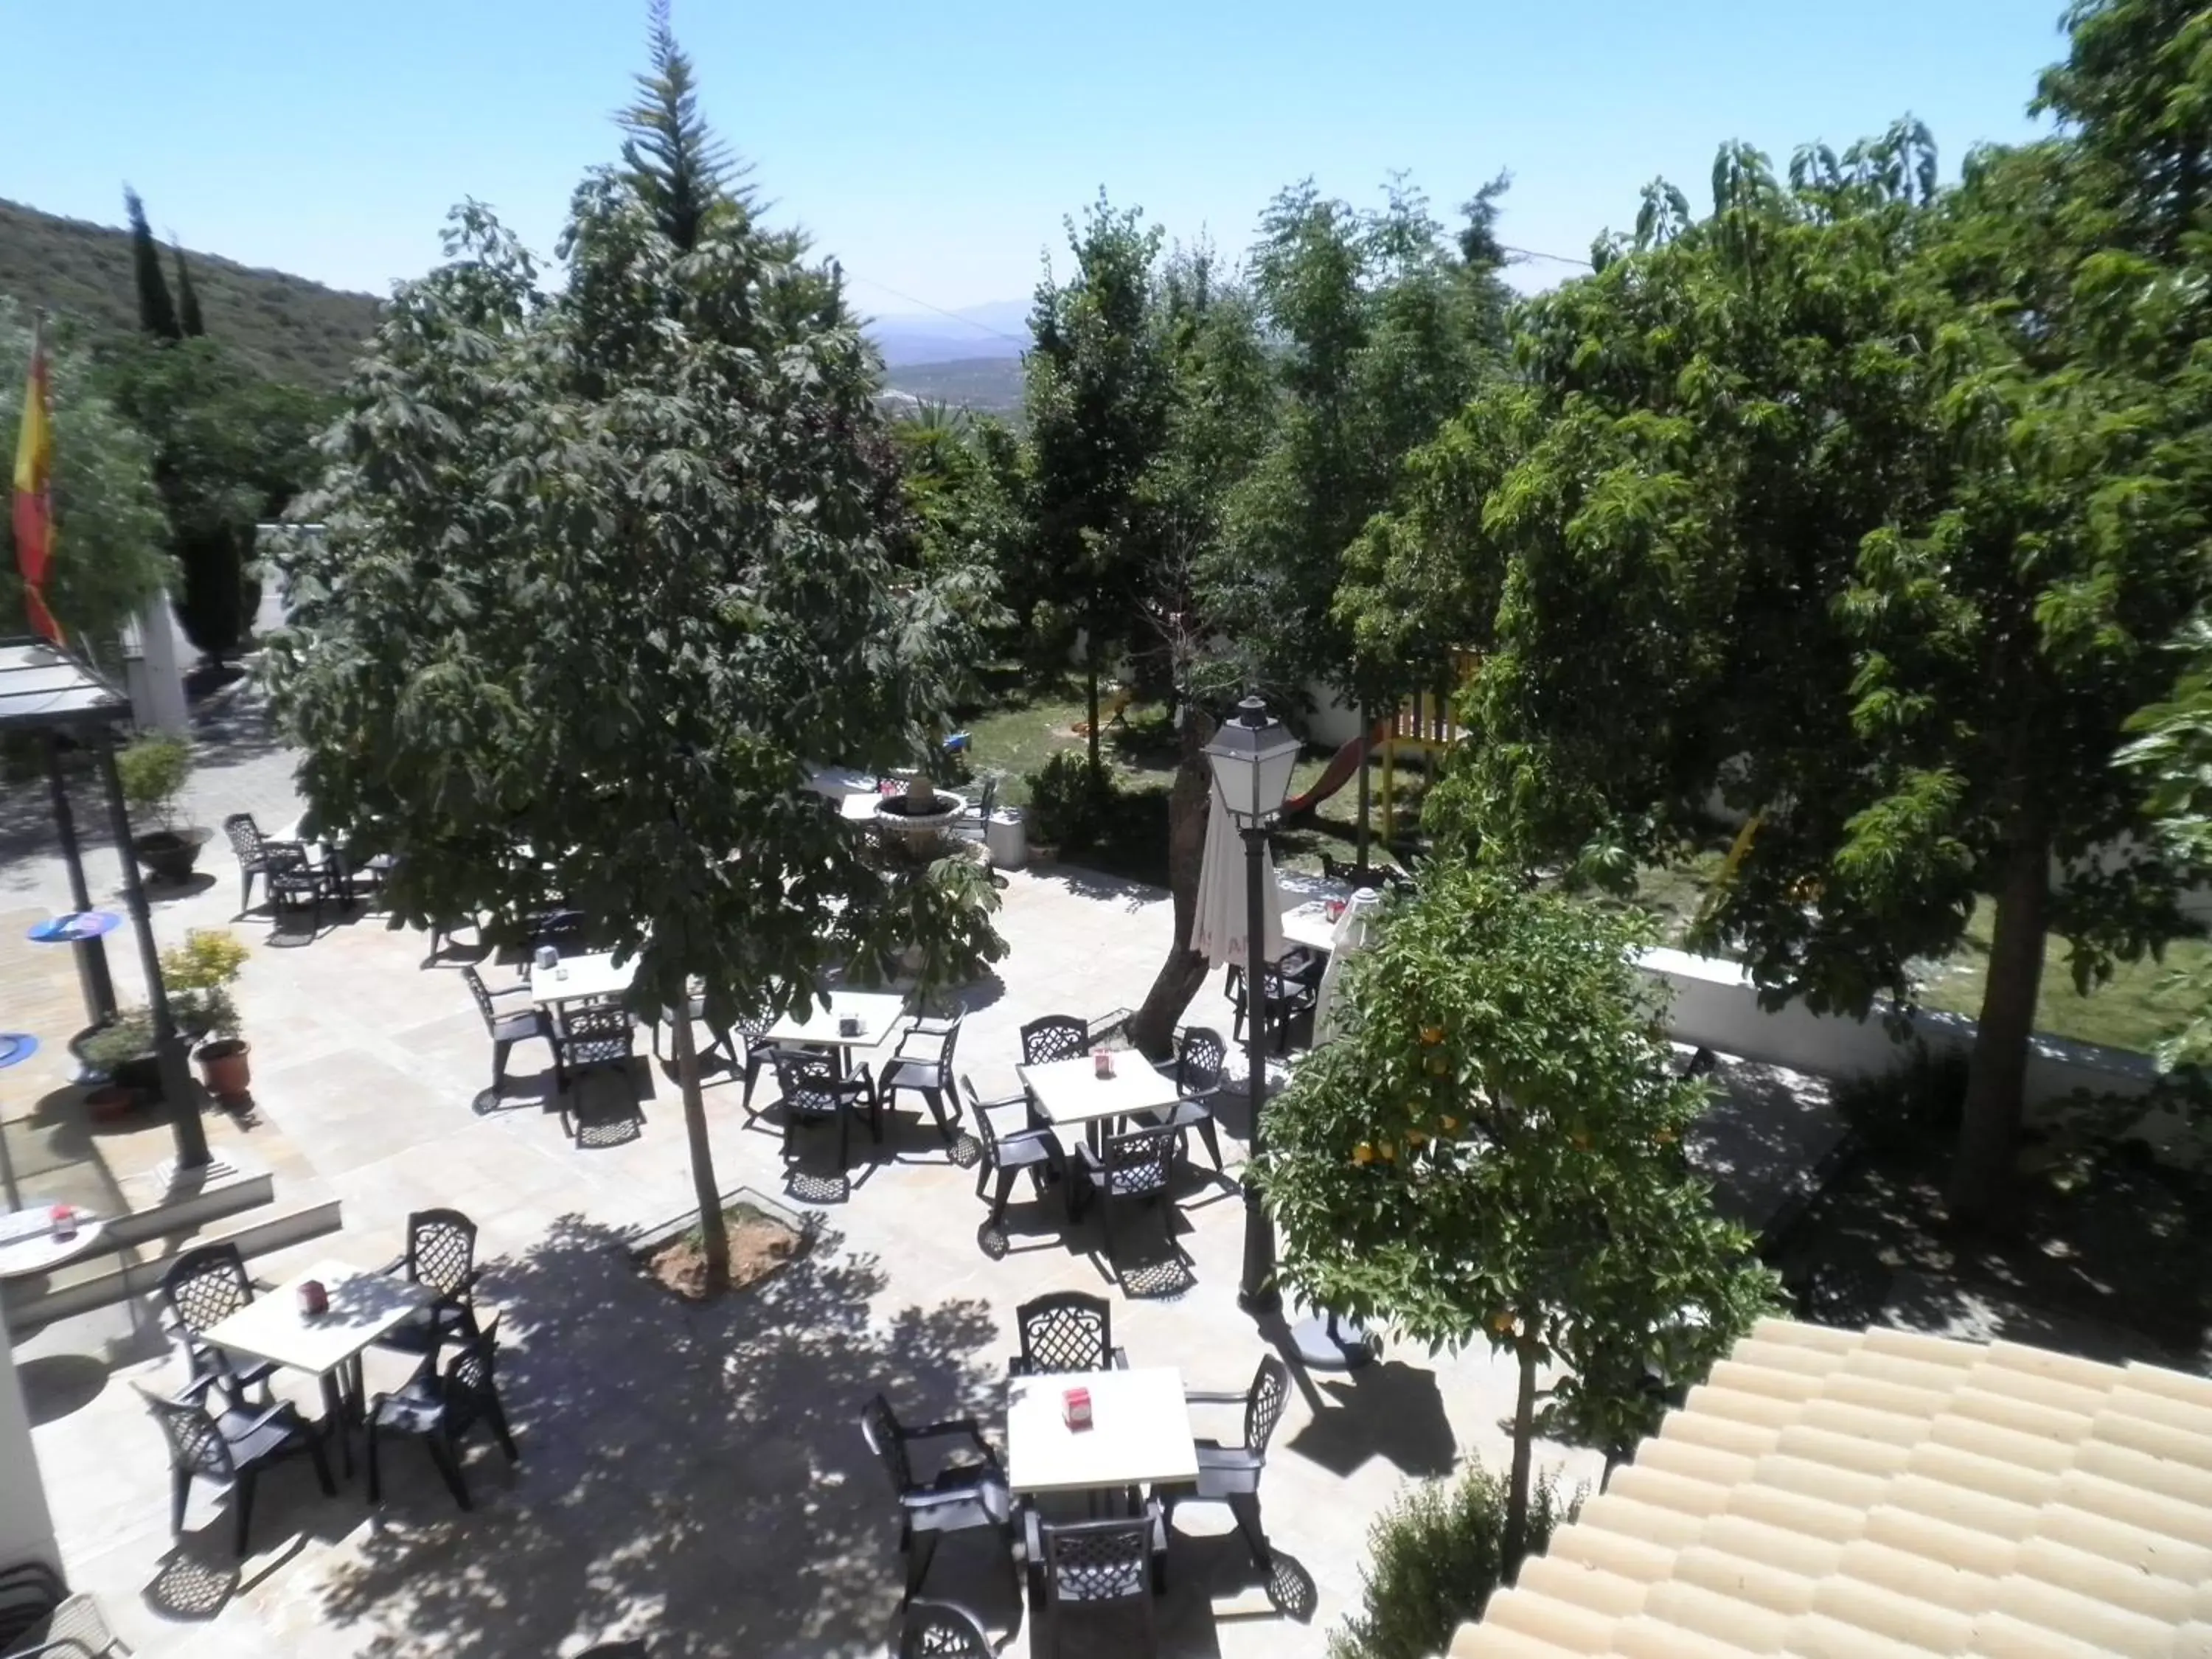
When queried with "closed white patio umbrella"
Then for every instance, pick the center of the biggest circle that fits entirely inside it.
(1355, 931)
(1220, 932)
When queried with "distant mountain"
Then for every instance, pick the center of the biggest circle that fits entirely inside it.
(286, 327)
(997, 329)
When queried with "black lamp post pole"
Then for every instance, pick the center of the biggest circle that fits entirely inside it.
(1256, 1293)
(91, 953)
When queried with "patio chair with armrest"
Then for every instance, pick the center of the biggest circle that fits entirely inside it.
(258, 856)
(1104, 1564)
(1135, 1167)
(967, 1492)
(1198, 1081)
(440, 1409)
(200, 1290)
(814, 1093)
(1065, 1331)
(1231, 1474)
(922, 1061)
(41, 1619)
(1056, 1036)
(1008, 1152)
(506, 1026)
(760, 1056)
(591, 1035)
(1292, 990)
(442, 1253)
(230, 1446)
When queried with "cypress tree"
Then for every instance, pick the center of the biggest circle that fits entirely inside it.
(157, 313)
(189, 321)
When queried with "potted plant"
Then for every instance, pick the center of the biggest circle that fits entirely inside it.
(199, 973)
(118, 1063)
(153, 769)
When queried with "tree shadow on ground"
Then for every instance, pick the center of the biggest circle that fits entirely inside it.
(691, 1473)
(1389, 1410)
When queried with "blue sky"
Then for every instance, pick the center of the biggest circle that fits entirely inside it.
(936, 148)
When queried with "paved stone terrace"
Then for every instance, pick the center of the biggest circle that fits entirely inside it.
(696, 1475)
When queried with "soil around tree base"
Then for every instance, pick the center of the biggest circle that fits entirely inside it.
(761, 1245)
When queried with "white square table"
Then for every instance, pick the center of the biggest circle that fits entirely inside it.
(574, 978)
(1070, 1092)
(1140, 1433)
(881, 1014)
(363, 1307)
(1308, 925)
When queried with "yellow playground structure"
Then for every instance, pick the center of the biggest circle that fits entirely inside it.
(1422, 726)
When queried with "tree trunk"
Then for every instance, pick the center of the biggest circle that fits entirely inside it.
(714, 1235)
(1981, 1169)
(1524, 1452)
(1091, 676)
(1152, 1030)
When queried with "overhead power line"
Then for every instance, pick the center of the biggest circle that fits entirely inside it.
(984, 328)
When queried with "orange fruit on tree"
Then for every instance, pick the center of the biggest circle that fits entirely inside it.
(1363, 1153)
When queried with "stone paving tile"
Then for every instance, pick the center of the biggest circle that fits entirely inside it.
(698, 1475)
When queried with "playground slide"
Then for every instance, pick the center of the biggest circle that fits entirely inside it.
(1340, 770)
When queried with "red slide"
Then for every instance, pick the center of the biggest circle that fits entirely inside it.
(1339, 772)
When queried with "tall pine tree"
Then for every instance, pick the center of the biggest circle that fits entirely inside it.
(679, 168)
(157, 313)
(188, 321)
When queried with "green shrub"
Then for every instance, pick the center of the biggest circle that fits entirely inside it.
(1436, 1558)
(1067, 799)
(1917, 1103)
(152, 769)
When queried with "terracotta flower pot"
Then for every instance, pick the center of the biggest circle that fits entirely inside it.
(223, 1068)
(111, 1102)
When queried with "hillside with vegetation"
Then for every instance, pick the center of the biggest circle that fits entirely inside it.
(282, 327)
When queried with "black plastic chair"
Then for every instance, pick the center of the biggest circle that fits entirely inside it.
(1065, 1331)
(232, 1447)
(440, 1410)
(964, 1495)
(814, 1093)
(590, 1035)
(505, 1029)
(441, 1254)
(760, 1055)
(1102, 1563)
(1056, 1037)
(1198, 1080)
(694, 1010)
(1007, 1153)
(943, 1630)
(1292, 991)
(1231, 1474)
(198, 1291)
(1138, 1166)
(41, 1618)
(927, 1070)
(258, 856)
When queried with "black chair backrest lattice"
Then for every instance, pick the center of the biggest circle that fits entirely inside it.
(941, 1629)
(982, 1119)
(1098, 1561)
(945, 1054)
(1140, 1161)
(809, 1083)
(246, 839)
(470, 1383)
(886, 1440)
(1056, 1037)
(1067, 1330)
(1263, 1407)
(596, 1033)
(1198, 1060)
(206, 1285)
(441, 1248)
(196, 1444)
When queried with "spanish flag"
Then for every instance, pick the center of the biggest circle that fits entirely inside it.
(34, 497)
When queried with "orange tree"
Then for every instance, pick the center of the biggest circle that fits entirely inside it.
(1491, 1148)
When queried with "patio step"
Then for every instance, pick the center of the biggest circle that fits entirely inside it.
(239, 1207)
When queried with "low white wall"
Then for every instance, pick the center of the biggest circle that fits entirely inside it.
(1713, 1004)
(26, 1529)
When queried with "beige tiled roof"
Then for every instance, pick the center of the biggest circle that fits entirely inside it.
(1878, 1494)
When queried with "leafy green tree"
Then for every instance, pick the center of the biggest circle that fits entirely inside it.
(1809, 502)
(1096, 393)
(1490, 1150)
(189, 324)
(605, 575)
(157, 311)
(109, 554)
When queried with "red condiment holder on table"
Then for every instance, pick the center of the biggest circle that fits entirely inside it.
(1075, 1408)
